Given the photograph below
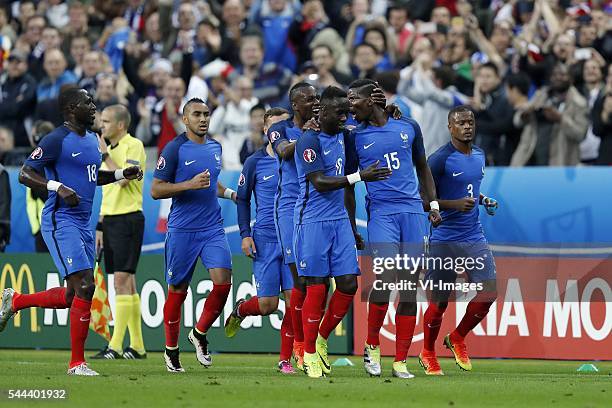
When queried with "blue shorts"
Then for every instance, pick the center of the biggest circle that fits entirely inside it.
(399, 233)
(73, 249)
(480, 269)
(326, 248)
(270, 272)
(284, 232)
(182, 250)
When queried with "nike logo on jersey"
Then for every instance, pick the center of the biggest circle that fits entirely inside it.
(326, 152)
(266, 178)
(366, 147)
(457, 174)
(187, 163)
(76, 154)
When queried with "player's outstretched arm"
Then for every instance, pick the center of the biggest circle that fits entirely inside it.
(31, 178)
(427, 186)
(164, 189)
(350, 204)
(323, 183)
(110, 176)
(225, 192)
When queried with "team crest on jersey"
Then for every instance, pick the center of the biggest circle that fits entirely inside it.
(274, 136)
(241, 180)
(309, 155)
(161, 163)
(37, 153)
(404, 136)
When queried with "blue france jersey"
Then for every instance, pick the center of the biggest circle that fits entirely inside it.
(259, 177)
(319, 152)
(288, 187)
(181, 160)
(73, 160)
(458, 175)
(394, 145)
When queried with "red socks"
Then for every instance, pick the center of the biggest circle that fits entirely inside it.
(338, 307)
(79, 325)
(249, 308)
(431, 326)
(172, 317)
(404, 329)
(287, 337)
(213, 306)
(296, 305)
(54, 298)
(311, 315)
(376, 318)
(475, 312)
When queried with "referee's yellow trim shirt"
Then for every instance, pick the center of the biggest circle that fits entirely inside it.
(117, 200)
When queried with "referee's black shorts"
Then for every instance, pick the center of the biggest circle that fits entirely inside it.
(122, 240)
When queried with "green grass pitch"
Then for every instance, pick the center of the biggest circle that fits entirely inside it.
(252, 381)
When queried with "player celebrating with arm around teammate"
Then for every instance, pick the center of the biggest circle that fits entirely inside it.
(66, 163)
(396, 221)
(323, 238)
(187, 168)
(458, 170)
(259, 177)
(283, 136)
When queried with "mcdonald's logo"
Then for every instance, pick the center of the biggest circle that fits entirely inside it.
(17, 283)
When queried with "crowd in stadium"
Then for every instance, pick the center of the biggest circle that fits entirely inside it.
(537, 73)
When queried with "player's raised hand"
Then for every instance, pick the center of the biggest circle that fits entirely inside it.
(375, 173)
(311, 124)
(465, 204)
(133, 173)
(248, 247)
(200, 180)
(394, 111)
(359, 242)
(378, 96)
(435, 218)
(69, 195)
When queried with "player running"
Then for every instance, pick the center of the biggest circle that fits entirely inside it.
(187, 168)
(260, 177)
(396, 221)
(458, 170)
(70, 158)
(323, 237)
(283, 135)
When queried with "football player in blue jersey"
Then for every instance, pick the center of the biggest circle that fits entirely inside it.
(66, 163)
(187, 171)
(458, 170)
(323, 238)
(397, 223)
(283, 136)
(259, 177)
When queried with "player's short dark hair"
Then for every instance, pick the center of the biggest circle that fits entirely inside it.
(363, 87)
(491, 66)
(332, 92)
(388, 80)
(519, 81)
(256, 107)
(120, 114)
(459, 109)
(295, 89)
(272, 112)
(191, 102)
(69, 95)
